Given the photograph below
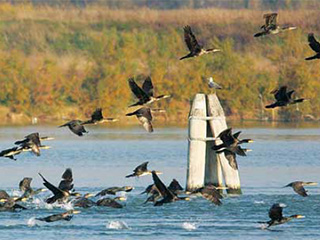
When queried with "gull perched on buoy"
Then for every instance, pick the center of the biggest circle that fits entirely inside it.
(212, 84)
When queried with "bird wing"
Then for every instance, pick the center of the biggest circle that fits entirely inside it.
(275, 212)
(66, 183)
(25, 184)
(190, 39)
(97, 115)
(298, 188)
(313, 43)
(147, 86)
(175, 186)
(51, 187)
(212, 194)
(4, 195)
(142, 167)
(271, 19)
(77, 128)
(137, 91)
(231, 157)
(164, 191)
(281, 93)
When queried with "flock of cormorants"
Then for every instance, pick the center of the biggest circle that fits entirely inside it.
(158, 192)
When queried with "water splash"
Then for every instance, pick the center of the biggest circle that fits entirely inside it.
(31, 222)
(40, 204)
(67, 206)
(189, 226)
(258, 202)
(117, 225)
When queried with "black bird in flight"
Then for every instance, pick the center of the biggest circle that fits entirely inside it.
(298, 187)
(76, 127)
(67, 216)
(144, 116)
(141, 170)
(194, 47)
(97, 117)
(271, 26)
(144, 94)
(275, 214)
(314, 45)
(284, 98)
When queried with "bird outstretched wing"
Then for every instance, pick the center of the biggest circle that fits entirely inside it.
(138, 91)
(147, 86)
(313, 43)
(271, 19)
(190, 39)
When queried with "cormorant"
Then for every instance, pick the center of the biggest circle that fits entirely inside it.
(270, 26)
(97, 117)
(314, 45)
(275, 213)
(194, 47)
(141, 170)
(32, 141)
(9, 203)
(284, 98)
(210, 193)
(144, 116)
(144, 94)
(84, 201)
(167, 195)
(114, 190)
(25, 187)
(76, 127)
(62, 192)
(11, 152)
(298, 187)
(67, 216)
(109, 202)
(174, 186)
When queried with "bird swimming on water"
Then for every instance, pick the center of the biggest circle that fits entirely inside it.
(144, 94)
(67, 216)
(141, 170)
(314, 45)
(275, 214)
(26, 189)
(298, 187)
(144, 116)
(114, 190)
(284, 98)
(76, 127)
(271, 26)
(194, 47)
(97, 117)
(211, 193)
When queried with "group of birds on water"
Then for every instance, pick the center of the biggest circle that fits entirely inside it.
(158, 192)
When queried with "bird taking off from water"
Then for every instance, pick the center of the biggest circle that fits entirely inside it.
(271, 26)
(67, 216)
(298, 187)
(144, 94)
(275, 214)
(314, 45)
(194, 47)
(284, 98)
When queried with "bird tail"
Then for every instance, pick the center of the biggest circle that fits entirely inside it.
(273, 105)
(64, 125)
(135, 104)
(130, 114)
(259, 34)
(130, 175)
(184, 57)
(313, 57)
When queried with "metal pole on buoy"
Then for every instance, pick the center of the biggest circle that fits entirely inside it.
(204, 165)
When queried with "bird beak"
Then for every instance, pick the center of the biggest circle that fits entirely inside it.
(24, 199)
(249, 150)
(311, 183)
(3, 200)
(292, 28)
(282, 205)
(121, 198)
(76, 212)
(250, 141)
(217, 50)
(158, 172)
(15, 198)
(221, 188)
(187, 199)
(188, 192)
(300, 216)
(44, 190)
(89, 195)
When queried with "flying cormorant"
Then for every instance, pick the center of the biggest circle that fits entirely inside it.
(76, 127)
(67, 216)
(141, 170)
(97, 117)
(144, 116)
(194, 47)
(297, 186)
(270, 26)
(314, 45)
